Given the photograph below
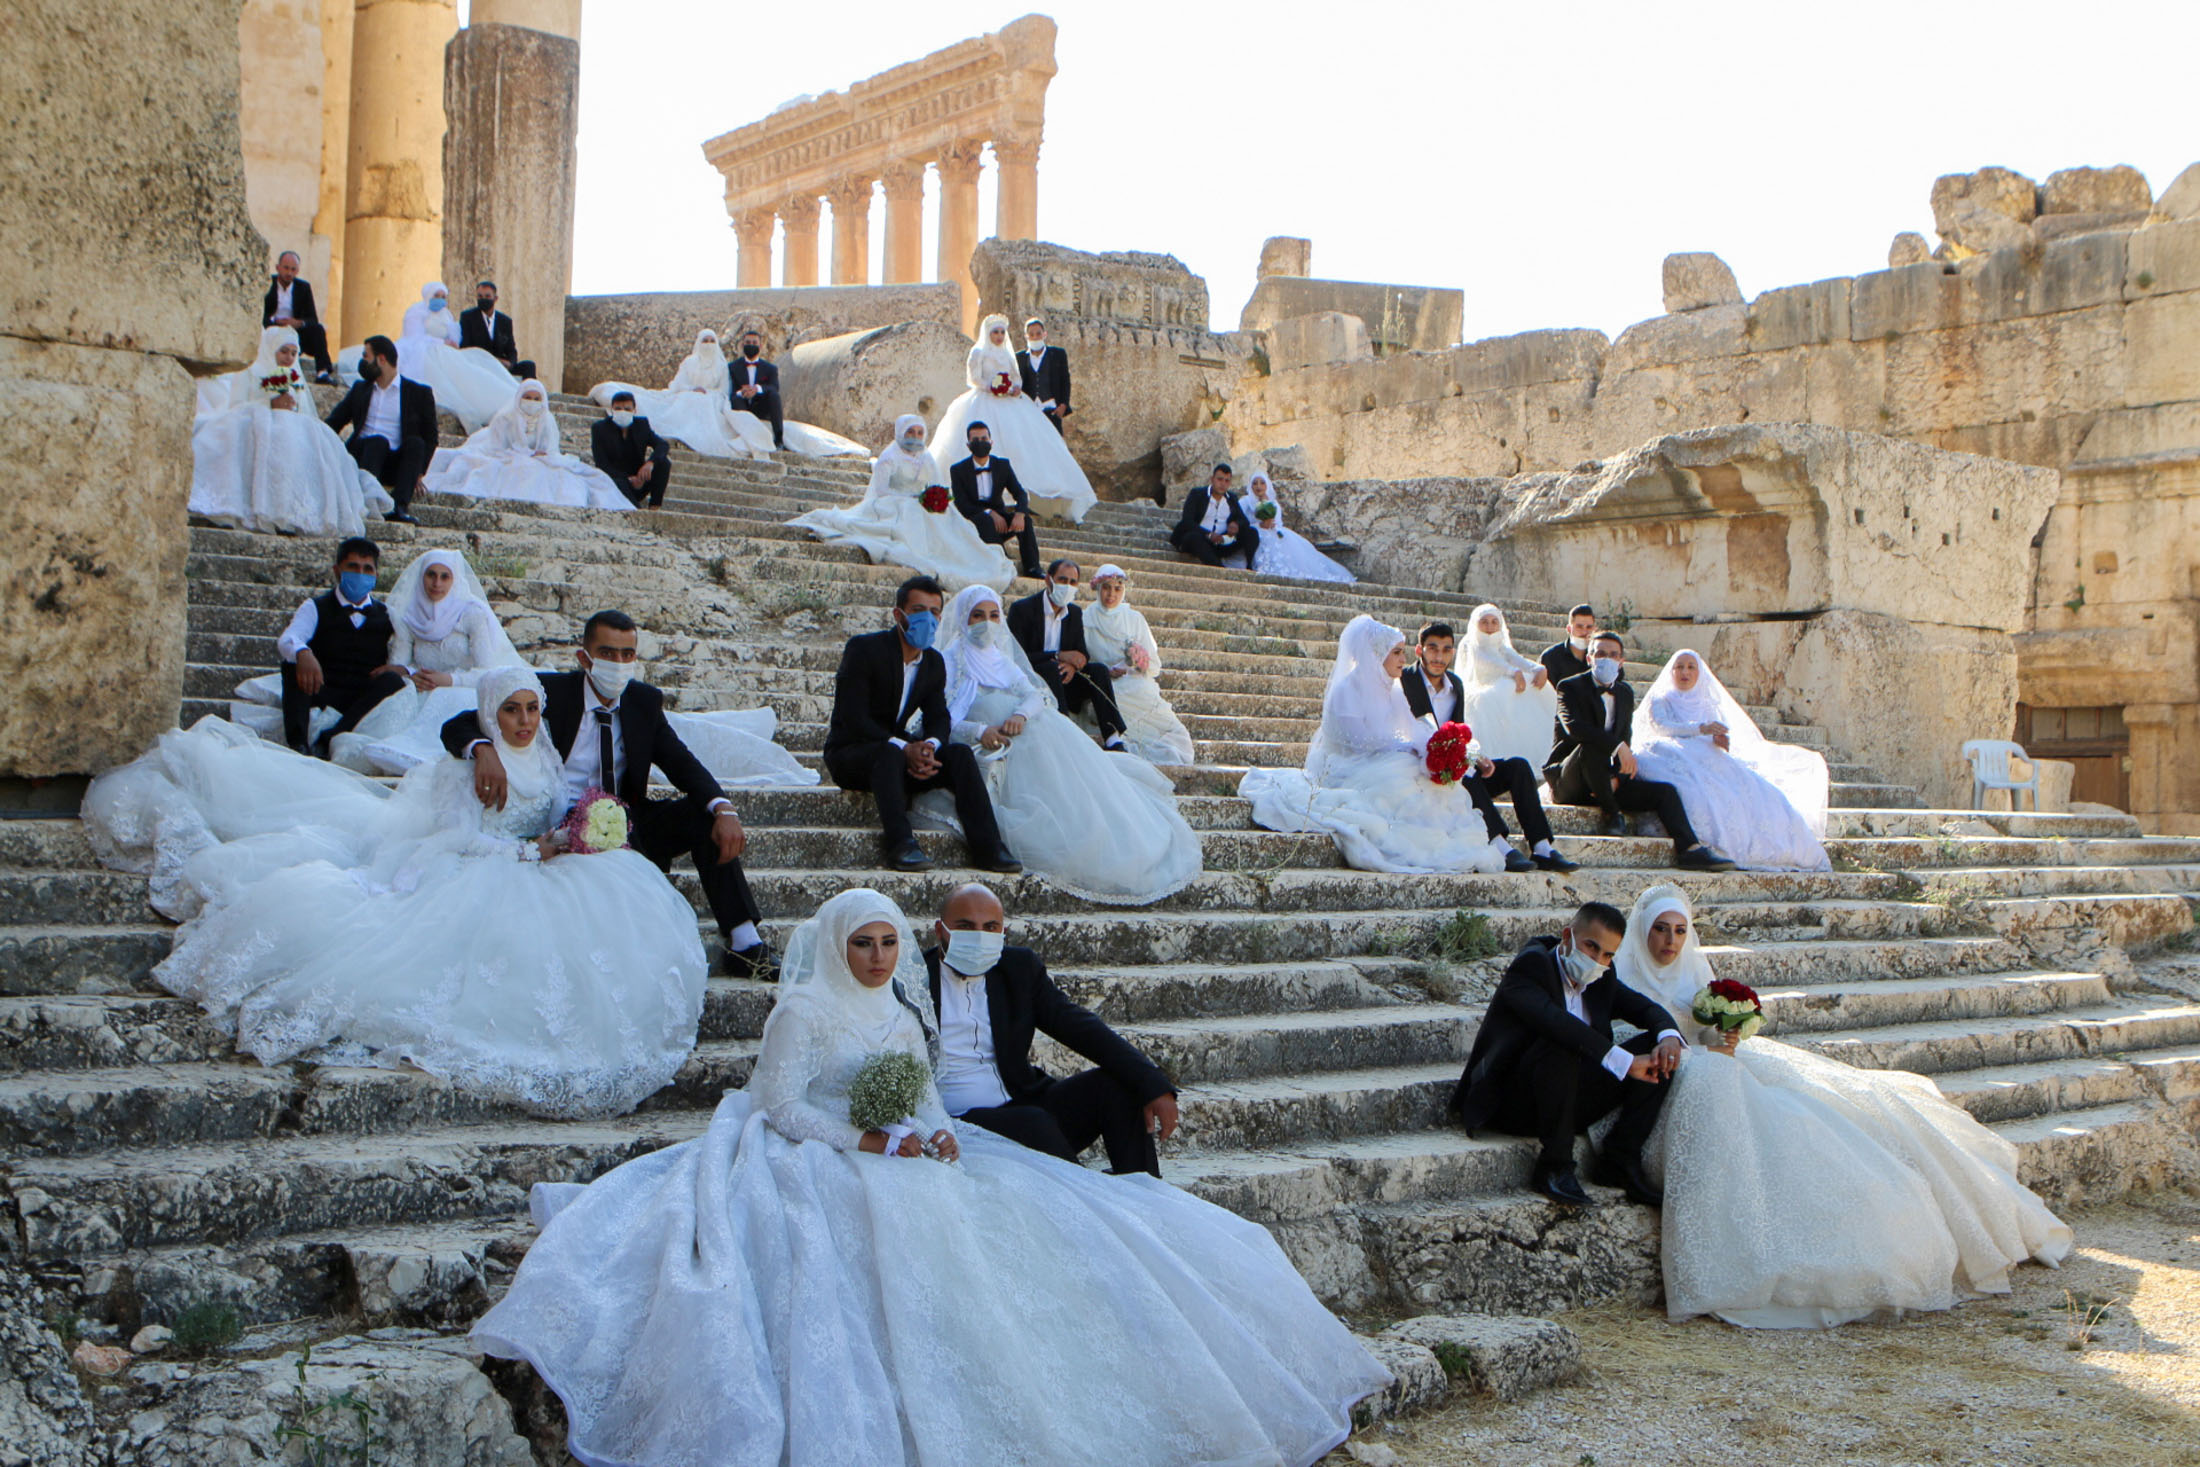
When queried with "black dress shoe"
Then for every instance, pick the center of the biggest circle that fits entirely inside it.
(1628, 1176)
(1561, 1186)
(908, 856)
(1555, 862)
(758, 963)
(1001, 863)
(1514, 861)
(1613, 825)
(1034, 572)
(1702, 858)
(399, 517)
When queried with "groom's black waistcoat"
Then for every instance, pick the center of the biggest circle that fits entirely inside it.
(1530, 1006)
(645, 737)
(1021, 1000)
(348, 653)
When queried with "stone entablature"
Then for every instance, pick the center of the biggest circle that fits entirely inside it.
(938, 111)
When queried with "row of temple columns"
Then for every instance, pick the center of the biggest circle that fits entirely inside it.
(1016, 216)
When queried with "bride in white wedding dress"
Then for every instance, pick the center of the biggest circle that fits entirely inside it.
(696, 407)
(1102, 826)
(1283, 551)
(1802, 1193)
(1117, 637)
(334, 921)
(1021, 433)
(468, 383)
(1761, 804)
(262, 459)
(780, 1292)
(891, 524)
(1366, 780)
(1510, 703)
(520, 455)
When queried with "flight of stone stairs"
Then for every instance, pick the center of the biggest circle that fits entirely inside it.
(1316, 1016)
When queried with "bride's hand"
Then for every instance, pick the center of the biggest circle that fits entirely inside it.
(550, 843)
(944, 1145)
(1520, 682)
(1729, 1041)
(1013, 725)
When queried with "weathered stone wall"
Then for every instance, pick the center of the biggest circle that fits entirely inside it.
(644, 337)
(126, 169)
(511, 96)
(858, 383)
(1398, 317)
(1143, 364)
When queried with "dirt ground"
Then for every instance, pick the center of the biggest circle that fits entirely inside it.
(2003, 1382)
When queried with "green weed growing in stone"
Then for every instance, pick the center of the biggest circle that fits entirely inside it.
(335, 1431)
(506, 567)
(206, 1326)
(2082, 1315)
(1465, 938)
(1962, 910)
(67, 1324)
(1453, 1356)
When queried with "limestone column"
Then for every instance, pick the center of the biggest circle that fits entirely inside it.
(556, 17)
(959, 163)
(904, 185)
(393, 212)
(753, 264)
(328, 217)
(851, 199)
(512, 98)
(1016, 208)
(799, 216)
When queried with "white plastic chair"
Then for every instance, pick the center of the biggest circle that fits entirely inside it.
(1990, 771)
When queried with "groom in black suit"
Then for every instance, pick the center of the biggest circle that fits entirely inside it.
(886, 679)
(625, 735)
(393, 424)
(1212, 526)
(490, 329)
(989, 495)
(1436, 696)
(1045, 373)
(1562, 660)
(991, 1000)
(1596, 712)
(754, 387)
(1050, 627)
(289, 302)
(1544, 1064)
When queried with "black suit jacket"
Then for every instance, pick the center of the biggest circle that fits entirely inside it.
(646, 738)
(621, 452)
(1195, 510)
(1581, 714)
(962, 482)
(301, 302)
(1027, 623)
(1561, 661)
(1530, 1005)
(1051, 382)
(1021, 1000)
(1413, 682)
(474, 331)
(415, 412)
(737, 377)
(867, 702)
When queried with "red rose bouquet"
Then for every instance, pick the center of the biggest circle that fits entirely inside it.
(1002, 385)
(597, 823)
(935, 499)
(1729, 1007)
(1447, 753)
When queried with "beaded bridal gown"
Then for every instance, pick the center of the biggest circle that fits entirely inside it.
(1803, 1193)
(1509, 721)
(328, 919)
(1021, 433)
(768, 1295)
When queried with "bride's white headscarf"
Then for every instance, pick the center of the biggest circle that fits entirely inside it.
(1676, 983)
(244, 387)
(1124, 624)
(991, 324)
(529, 770)
(815, 974)
(515, 430)
(1363, 710)
(705, 367)
(1799, 774)
(1491, 656)
(973, 665)
(432, 621)
(913, 463)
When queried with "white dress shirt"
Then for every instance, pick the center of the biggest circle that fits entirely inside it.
(282, 300)
(1035, 354)
(1217, 519)
(307, 621)
(1441, 703)
(385, 415)
(970, 1071)
(1617, 1058)
(908, 684)
(584, 769)
(1051, 638)
(984, 478)
(1611, 711)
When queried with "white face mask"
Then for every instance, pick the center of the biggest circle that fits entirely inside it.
(622, 417)
(1606, 670)
(986, 634)
(532, 406)
(1060, 594)
(974, 953)
(1579, 644)
(1577, 967)
(609, 679)
(914, 443)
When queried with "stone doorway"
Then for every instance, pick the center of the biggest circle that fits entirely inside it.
(2093, 739)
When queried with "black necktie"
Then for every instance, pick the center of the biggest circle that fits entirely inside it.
(610, 774)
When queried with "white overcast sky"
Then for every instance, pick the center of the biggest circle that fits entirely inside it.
(1542, 156)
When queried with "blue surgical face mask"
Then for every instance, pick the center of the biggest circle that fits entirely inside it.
(919, 627)
(355, 586)
(438, 303)
(1606, 670)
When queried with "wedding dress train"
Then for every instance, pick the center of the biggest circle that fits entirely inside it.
(1762, 805)
(769, 1295)
(469, 384)
(1283, 551)
(519, 455)
(697, 409)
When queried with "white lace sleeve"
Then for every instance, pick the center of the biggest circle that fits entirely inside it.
(401, 643)
(795, 1052)
(1661, 715)
(974, 368)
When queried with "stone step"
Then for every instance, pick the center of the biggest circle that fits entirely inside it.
(1209, 1051)
(1999, 1093)
(1953, 853)
(79, 960)
(105, 1031)
(1279, 1109)
(2078, 1157)
(1791, 1011)
(1940, 1047)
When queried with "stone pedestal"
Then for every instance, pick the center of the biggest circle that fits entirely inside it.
(753, 234)
(904, 185)
(1016, 206)
(512, 97)
(799, 216)
(851, 200)
(126, 169)
(393, 224)
(959, 165)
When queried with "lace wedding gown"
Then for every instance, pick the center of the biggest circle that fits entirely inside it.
(334, 921)
(1802, 1193)
(1509, 722)
(258, 467)
(1366, 780)
(1283, 551)
(1021, 432)
(768, 1295)
(519, 456)
(1761, 805)
(890, 523)
(1150, 725)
